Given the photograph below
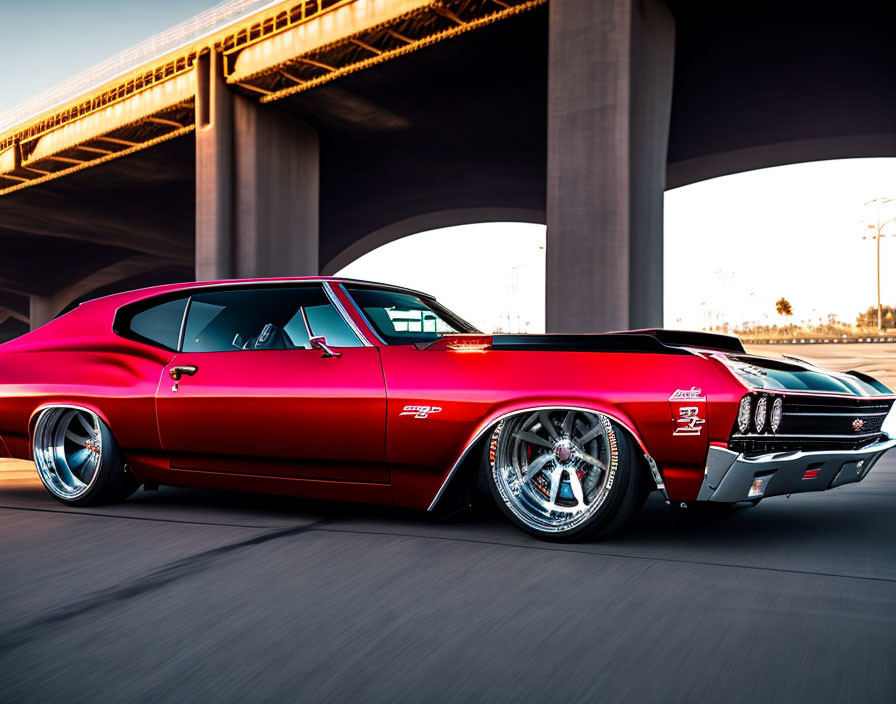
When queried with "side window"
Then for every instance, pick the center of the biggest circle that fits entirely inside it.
(159, 325)
(260, 318)
(325, 320)
(401, 318)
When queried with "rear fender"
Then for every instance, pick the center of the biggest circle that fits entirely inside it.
(80, 405)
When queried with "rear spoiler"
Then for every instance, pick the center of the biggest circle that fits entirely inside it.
(688, 338)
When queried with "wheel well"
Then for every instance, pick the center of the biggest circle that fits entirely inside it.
(462, 482)
(39, 411)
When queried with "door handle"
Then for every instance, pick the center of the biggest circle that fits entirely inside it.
(186, 369)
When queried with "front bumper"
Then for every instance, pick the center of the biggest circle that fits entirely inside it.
(731, 476)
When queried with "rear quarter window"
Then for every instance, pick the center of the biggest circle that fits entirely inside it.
(158, 325)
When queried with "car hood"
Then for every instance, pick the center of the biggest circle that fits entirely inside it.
(764, 373)
(754, 372)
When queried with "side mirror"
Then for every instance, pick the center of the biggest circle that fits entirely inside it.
(320, 343)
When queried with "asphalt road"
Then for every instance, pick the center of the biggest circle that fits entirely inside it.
(195, 596)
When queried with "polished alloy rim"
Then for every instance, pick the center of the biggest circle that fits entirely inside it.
(554, 468)
(68, 450)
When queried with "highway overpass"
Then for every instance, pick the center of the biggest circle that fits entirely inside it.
(289, 138)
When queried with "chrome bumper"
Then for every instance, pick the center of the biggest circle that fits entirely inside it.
(730, 476)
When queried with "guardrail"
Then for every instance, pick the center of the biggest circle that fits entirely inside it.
(832, 340)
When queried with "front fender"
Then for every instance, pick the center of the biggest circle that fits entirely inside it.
(468, 457)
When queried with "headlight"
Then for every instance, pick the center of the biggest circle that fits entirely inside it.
(743, 415)
(761, 413)
(777, 412)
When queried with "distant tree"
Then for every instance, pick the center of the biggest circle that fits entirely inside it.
(868, 319)
(782, 305)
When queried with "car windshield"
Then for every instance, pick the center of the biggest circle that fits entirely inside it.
(404, 318)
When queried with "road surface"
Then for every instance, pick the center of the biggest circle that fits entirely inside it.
(181, 595)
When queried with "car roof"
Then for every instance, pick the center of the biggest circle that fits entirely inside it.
(117, 300)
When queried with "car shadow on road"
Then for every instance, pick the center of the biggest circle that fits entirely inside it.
(657, 524)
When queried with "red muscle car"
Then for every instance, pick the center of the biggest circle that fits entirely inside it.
(356, 391)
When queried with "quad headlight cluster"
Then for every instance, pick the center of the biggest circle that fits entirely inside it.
(760, 411)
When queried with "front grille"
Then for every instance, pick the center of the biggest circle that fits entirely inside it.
(833, 404)
(794, 424)
(818, 423)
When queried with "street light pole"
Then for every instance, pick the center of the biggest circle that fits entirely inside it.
(880, 227)
(880, 310)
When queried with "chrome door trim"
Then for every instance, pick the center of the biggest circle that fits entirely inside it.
(361, 314)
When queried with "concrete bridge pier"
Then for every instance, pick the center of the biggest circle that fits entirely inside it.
(257, 185)
(609, 103)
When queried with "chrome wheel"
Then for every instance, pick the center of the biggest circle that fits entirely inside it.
(554, 468)
(68, 450)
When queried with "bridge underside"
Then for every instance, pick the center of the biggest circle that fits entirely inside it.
(464, 131)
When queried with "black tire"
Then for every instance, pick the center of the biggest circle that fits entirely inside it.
(110, 481)
(639, 487)
(622, 500)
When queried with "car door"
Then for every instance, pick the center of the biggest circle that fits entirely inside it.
(254, 397)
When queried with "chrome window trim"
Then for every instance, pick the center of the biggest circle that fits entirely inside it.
(183, 326)
(192, 287)
(337, 304)
(362, 315)
(530, 409)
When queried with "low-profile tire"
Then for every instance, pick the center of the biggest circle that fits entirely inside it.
(563, 474)
(78, 460)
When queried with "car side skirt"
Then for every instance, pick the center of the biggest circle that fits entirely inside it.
(155, 470)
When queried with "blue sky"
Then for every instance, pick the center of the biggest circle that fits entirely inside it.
(46, 41)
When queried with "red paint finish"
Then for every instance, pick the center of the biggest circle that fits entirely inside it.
(156, 468)
(288, 413)
(474, 389)
(350, 427)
